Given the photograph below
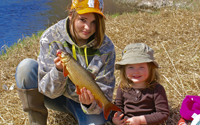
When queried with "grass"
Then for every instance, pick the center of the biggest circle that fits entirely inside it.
(172, 33)
(115, 15)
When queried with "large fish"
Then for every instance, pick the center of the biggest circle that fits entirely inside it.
(83, 78)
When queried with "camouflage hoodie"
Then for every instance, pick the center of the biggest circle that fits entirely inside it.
(52, 82)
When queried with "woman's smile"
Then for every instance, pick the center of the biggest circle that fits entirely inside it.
(86, 32)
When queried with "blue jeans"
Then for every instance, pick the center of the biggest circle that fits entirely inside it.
(27, 78)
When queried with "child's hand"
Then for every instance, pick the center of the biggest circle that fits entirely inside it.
(136, 120)
(117, 119)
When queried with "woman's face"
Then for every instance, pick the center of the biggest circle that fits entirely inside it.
(137, 73)
(85, 26)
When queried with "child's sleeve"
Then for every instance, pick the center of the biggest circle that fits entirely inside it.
(118, 102)
(161, 107)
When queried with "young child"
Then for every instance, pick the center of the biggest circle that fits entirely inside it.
(140, 96)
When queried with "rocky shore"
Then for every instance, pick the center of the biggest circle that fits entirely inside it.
(151, 5)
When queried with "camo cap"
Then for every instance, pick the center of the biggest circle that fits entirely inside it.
(136, 53)
(88, 6)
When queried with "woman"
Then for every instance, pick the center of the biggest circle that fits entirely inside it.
(82, 34)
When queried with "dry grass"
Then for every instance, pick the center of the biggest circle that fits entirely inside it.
(173, 34)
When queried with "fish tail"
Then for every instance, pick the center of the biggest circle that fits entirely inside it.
(110, 106)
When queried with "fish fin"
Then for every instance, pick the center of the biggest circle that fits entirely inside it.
(65, 72)
(108, 108)
(78, 91)
(91, 74)
(99, 103)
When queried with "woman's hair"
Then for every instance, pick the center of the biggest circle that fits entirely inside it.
(151, 80)
(100, 27)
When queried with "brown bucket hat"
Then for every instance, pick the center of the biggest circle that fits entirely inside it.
(136, 53)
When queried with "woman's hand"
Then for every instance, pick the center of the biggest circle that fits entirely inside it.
(86, 97)
(117, 119)
(58, 64)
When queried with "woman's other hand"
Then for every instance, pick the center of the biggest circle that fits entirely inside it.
(86, 97)
(58, 64)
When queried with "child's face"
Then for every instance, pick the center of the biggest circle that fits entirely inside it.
(138, 73)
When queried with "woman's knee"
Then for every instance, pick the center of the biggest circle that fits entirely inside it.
(92, 119)
(58, 104)
(26, 75)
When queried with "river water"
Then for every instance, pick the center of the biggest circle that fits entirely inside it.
(21, 18)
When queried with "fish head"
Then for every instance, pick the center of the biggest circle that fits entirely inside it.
(59, 52)
(64, 56)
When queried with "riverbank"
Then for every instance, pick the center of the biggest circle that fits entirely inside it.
(173, 34)
(155, 5)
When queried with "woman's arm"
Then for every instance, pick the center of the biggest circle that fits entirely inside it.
(51, 81)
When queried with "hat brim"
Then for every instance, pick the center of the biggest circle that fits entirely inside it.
(89, 10)
(118, 65)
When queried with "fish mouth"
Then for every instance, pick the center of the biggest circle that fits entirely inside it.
(58, 52)
(63, 55)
